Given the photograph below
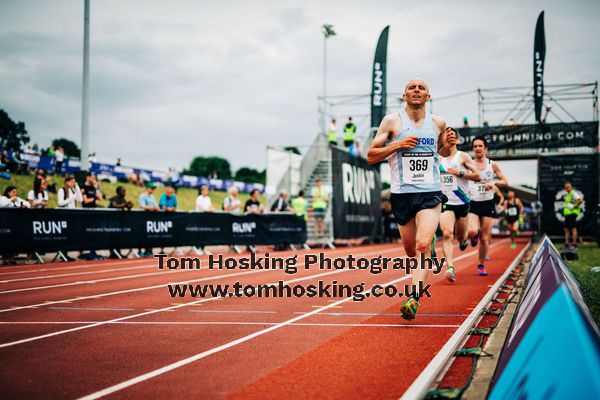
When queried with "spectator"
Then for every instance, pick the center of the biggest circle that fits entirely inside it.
(349, 132)
(168, 201)
(253, 205)
(147, 201)
(281, 204)
(70, 194)
(203, 202)
(319, 205)
(51, 152)
(231, 203)
(60, 156)
(332, 133)
(300, 205)
(14, 162)
(36, 149)
(134, 178)
(38, 197)
(92, 158)
(119, 201)
(90, 192)
(118, 164)
(354, 149)
(11, 200)
(173, 178)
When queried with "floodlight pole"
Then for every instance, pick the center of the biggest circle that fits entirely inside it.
(85, 102)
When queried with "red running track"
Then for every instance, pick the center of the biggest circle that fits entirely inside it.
(111, 329)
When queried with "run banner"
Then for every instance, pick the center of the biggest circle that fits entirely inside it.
(539, 56)
(29, 230)
(379, 81)
(552, 332)
(356, 196)
(581, 170)
(534, 136)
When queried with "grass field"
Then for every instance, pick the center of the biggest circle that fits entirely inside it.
(185, 197)
(589, 282)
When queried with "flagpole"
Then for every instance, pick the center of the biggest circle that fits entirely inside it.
(85, 103)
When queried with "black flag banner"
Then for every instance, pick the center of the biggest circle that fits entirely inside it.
(379, 81)
(539, 55)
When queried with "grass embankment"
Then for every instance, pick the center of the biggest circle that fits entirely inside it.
(589, 282)
(186, 197)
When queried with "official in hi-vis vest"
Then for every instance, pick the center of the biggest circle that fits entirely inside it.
(332, 133)
(571, 211)
(349, 132)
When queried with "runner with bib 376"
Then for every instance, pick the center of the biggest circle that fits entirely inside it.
(483, 207)
(411, 140)
(457, 170)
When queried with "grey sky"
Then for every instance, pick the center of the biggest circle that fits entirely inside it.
(175, 79)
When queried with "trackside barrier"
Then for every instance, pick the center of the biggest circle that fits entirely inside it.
(51, 230)
(553, 346)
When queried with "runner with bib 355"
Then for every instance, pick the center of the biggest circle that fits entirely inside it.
(412, 140)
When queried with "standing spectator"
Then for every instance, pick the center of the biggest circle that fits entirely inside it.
(118, 164)
(173, 178)
(349, 132)
(332, 133)
(70, 194)
(253, 205)
(571, 210)
(319, 205)
(92, 158)
(281, 204)
(300, 205)
(354, 149)
(119, 201)
(11, 200)
(36, 149)
(51, 152)
(60, 156)
(90, 192)
(231, 203)
(147, 201)
(203, 202)
(168, 201)
(38, 198)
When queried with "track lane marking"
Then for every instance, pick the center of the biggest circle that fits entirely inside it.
(183, 323)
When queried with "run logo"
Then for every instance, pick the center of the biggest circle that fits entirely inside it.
(357, 184)
(244, 227)
(158, 226)
(49, 227)
(377, 85)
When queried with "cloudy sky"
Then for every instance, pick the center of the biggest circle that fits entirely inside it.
(174, 79)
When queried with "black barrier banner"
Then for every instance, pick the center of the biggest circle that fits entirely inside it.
(25, 230)
(379, 81)
(581, 170)
(539, 56)
(356, 197)
(533, 137)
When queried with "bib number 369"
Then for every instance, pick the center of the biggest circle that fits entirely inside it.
(417, 168)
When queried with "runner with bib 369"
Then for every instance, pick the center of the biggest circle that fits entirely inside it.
(411, 139)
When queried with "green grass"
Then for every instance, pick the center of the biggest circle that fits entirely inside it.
(589, 282)
(186, 197)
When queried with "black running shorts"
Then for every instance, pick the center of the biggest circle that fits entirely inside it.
(485, 208)
(459, 210)
(406, 205)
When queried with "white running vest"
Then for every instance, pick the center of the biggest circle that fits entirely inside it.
(477, 189)
(454, 187)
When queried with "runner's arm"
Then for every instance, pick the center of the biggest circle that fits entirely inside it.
(501, 181)
(470, 165)
(378, 151)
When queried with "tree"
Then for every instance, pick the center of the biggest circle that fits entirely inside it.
(206, 166)
(12, 134)
(292, 149)
(71, 149)
(251, 175)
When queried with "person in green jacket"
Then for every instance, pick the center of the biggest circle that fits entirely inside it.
(349, 133)
(332, 133)
(571, 211)
(300, 205)
(319, 207)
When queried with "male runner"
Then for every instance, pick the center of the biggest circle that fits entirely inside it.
(513, 211)
(483, 209)
(457, 170)
(410, 140)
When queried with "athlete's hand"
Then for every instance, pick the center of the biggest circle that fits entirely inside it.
(489, 186)
(451, 138)
(407, 143)
(453, 171)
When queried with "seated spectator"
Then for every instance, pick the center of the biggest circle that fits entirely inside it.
(168, 201)
(90, 192)
(11, 200)
(231, 203)
(119, 201)
(70, 194)
(147, 201)
(203, 202)
(38, 197)
(134, 179)
(14, 162)
(281, 204)
(253, 205)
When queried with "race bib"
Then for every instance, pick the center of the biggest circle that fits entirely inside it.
(512, 212)
(417, 168)
(480, 191)
(449, 182)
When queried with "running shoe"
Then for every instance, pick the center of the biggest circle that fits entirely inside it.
(487, 258)
(481, 269)
(408, 309)
(513, 245)
(463, 245)
(450, 274)
(475, 239)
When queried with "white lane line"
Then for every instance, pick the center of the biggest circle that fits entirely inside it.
(183, 323)
(234, 311)
(177, 306)
(162, 285)
(91, 308)
(204, 354)
(72, 267)
(344, 314)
